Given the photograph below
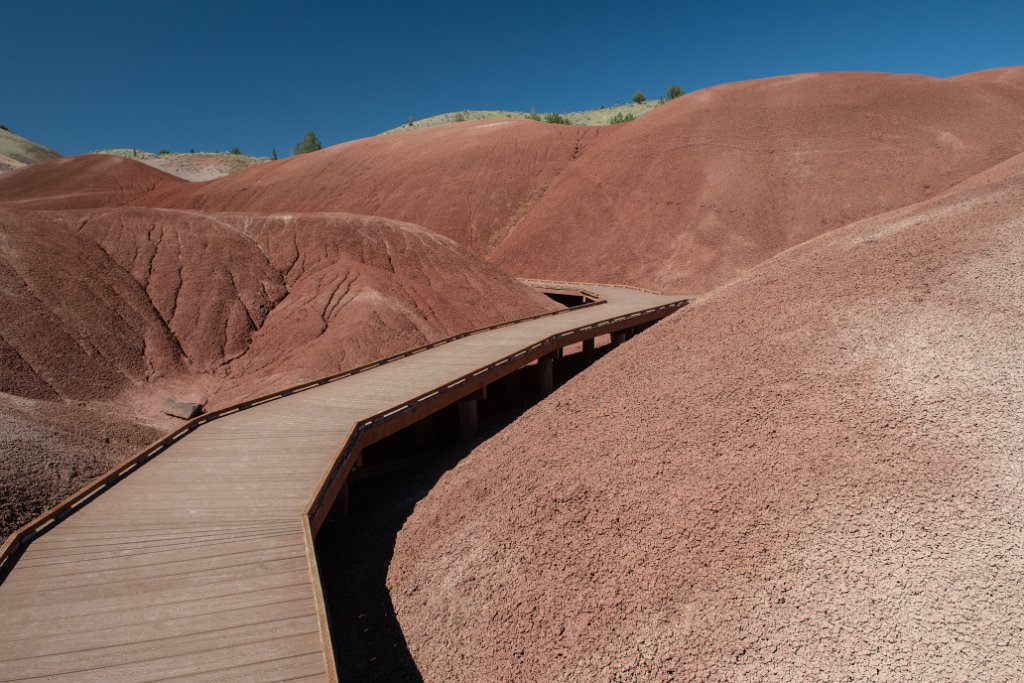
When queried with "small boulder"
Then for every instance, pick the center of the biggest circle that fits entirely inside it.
(182, 409)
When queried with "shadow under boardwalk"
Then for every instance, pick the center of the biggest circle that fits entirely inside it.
(354, 550)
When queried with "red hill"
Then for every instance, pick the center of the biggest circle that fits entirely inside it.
(815, 469)
(468, 181)
(717, 181)
(109, 312)
(685, 198)
(82, 182)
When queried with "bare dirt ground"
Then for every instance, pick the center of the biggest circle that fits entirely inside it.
(714, 182)
(683, 199)
(201, 167)
(50, 448)
(815, 473)
(126, 307)
(468, 181)
(354, 550)
(88, 181)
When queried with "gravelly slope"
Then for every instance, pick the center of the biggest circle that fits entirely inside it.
(114, 310)
(816, 473)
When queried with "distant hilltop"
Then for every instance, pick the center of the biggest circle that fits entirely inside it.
(16, 151)
(601, 116)
(195, 166)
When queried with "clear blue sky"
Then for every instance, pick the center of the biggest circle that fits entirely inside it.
(89, 74)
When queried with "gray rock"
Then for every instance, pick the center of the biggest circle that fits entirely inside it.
(186, 411)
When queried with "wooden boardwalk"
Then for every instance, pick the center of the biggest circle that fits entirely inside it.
(199, 564)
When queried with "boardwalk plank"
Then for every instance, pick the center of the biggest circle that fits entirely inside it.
(195, 566)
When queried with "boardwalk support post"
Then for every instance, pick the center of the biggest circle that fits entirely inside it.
(588, 348)
(618, 337)
(340, 506)
(546, 374)
(513, 385)
(467, 418)
(425, 432)
(342, 503)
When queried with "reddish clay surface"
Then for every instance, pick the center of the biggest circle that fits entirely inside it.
(685, 198)
(812, 474)
(49, 449)
(715, 182)
(122, 308)
(1011, 75)
(815, 473)
(89, 181)
(469, 181)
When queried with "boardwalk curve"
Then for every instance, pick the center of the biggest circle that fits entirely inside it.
(195, 559)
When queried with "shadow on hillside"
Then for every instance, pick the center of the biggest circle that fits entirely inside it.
(355, 550)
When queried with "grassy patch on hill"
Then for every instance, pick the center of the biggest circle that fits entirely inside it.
(601, 116)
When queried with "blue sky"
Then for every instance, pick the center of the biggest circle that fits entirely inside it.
(89, 74)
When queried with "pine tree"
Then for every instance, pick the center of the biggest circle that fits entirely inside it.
(309, 143)
(273, 155)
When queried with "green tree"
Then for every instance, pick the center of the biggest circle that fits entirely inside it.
(309, 143)
(674, 91)
(235, 150)
(639, 97)
(273, 155)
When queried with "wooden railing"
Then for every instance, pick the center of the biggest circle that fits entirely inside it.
(24, 535)
(395, 418)
(542, 284)
(372, 428)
